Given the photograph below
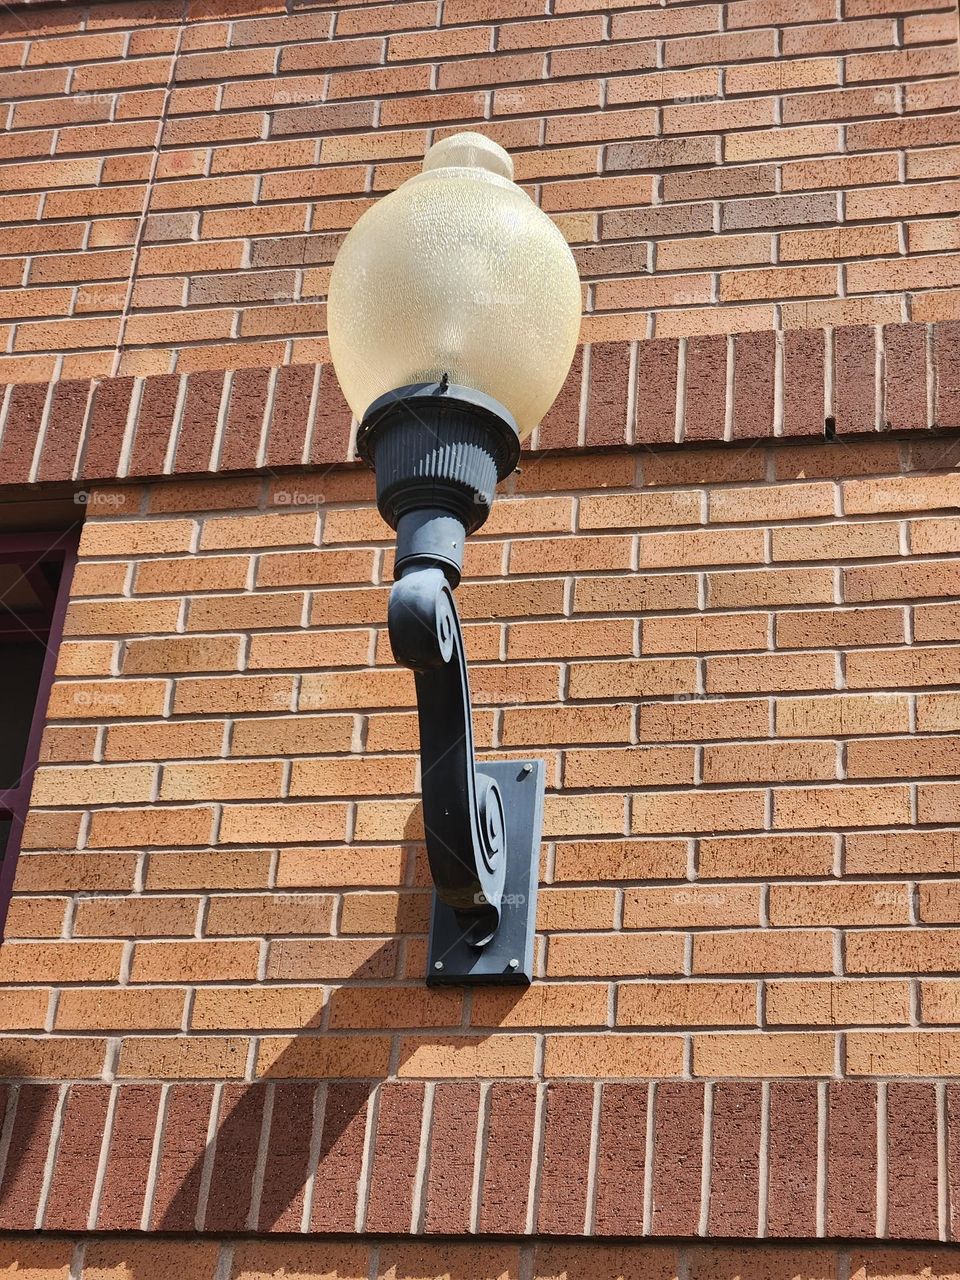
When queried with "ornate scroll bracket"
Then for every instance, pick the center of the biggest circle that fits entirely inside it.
(439, 451)
(481, 824)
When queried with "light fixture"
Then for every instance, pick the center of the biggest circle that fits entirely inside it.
(453, 315)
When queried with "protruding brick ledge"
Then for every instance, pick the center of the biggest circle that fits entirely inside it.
(854, 381)
(782, 1159)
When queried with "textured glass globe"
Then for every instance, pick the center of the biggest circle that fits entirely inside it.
(457, 272)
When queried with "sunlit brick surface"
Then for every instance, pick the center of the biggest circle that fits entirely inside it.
(177, 176)
(740, 666)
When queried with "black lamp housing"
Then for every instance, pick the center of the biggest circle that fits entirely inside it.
(439, 451)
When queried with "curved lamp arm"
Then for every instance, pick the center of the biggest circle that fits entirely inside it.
(462, 810)
(438, 451)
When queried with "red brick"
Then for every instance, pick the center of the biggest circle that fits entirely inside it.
(24, 414)
(912, 1161)
(287, 1159)
(331, 422)
(564, 1157)
(953, 1155)
(792, 1157)
(78, 1153)
(61, 440)
(181, 1157)
(128, 1160)
(565, 95)
(198, 427)
(717, 49)
(396, 1150)
(705, 388)
(341, 1153)
(656, 391)
(291, 410)
(735, 1176)
(453, 1131)
(237, 1144)
(677, 1153)
(22, 1182)
(241, 435)
(608, 393)
(753, 385)
(621, 1158)
(854, 379)
(687, 1004)
(560, 427)
(851, 1158)
(509, 1149)
(429, 108)
(905, 377)
(155, 416)
(947, 374)
(831, 36)
(778, 211)
(108, 415)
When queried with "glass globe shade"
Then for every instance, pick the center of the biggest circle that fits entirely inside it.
(457, 272)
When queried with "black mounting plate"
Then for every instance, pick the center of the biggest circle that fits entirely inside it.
(452, 959)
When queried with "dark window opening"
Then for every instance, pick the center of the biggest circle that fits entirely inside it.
(35, 572)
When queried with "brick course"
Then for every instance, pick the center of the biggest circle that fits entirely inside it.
(761, 1147)
(696, 390)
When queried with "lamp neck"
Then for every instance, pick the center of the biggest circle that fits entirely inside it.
(438, 451)
(430, 536)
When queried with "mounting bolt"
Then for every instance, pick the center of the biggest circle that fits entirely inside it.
(527, 768)
(514, 964)
(438, 964)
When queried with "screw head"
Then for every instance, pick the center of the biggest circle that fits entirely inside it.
(438, 964)
(514, 964)
(527, 768)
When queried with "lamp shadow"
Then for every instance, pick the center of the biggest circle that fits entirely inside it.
(34, 1109)
(345, 1105)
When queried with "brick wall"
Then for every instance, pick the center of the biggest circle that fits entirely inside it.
(719, 600)
(125, 1259)
(178, 174)
(740, 666)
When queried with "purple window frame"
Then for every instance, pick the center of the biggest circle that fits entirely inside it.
(30, 550)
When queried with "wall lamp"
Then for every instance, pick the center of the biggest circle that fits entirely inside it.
(454, 311)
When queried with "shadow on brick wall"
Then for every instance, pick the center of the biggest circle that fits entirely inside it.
(317, 1124)
(34, 1109)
